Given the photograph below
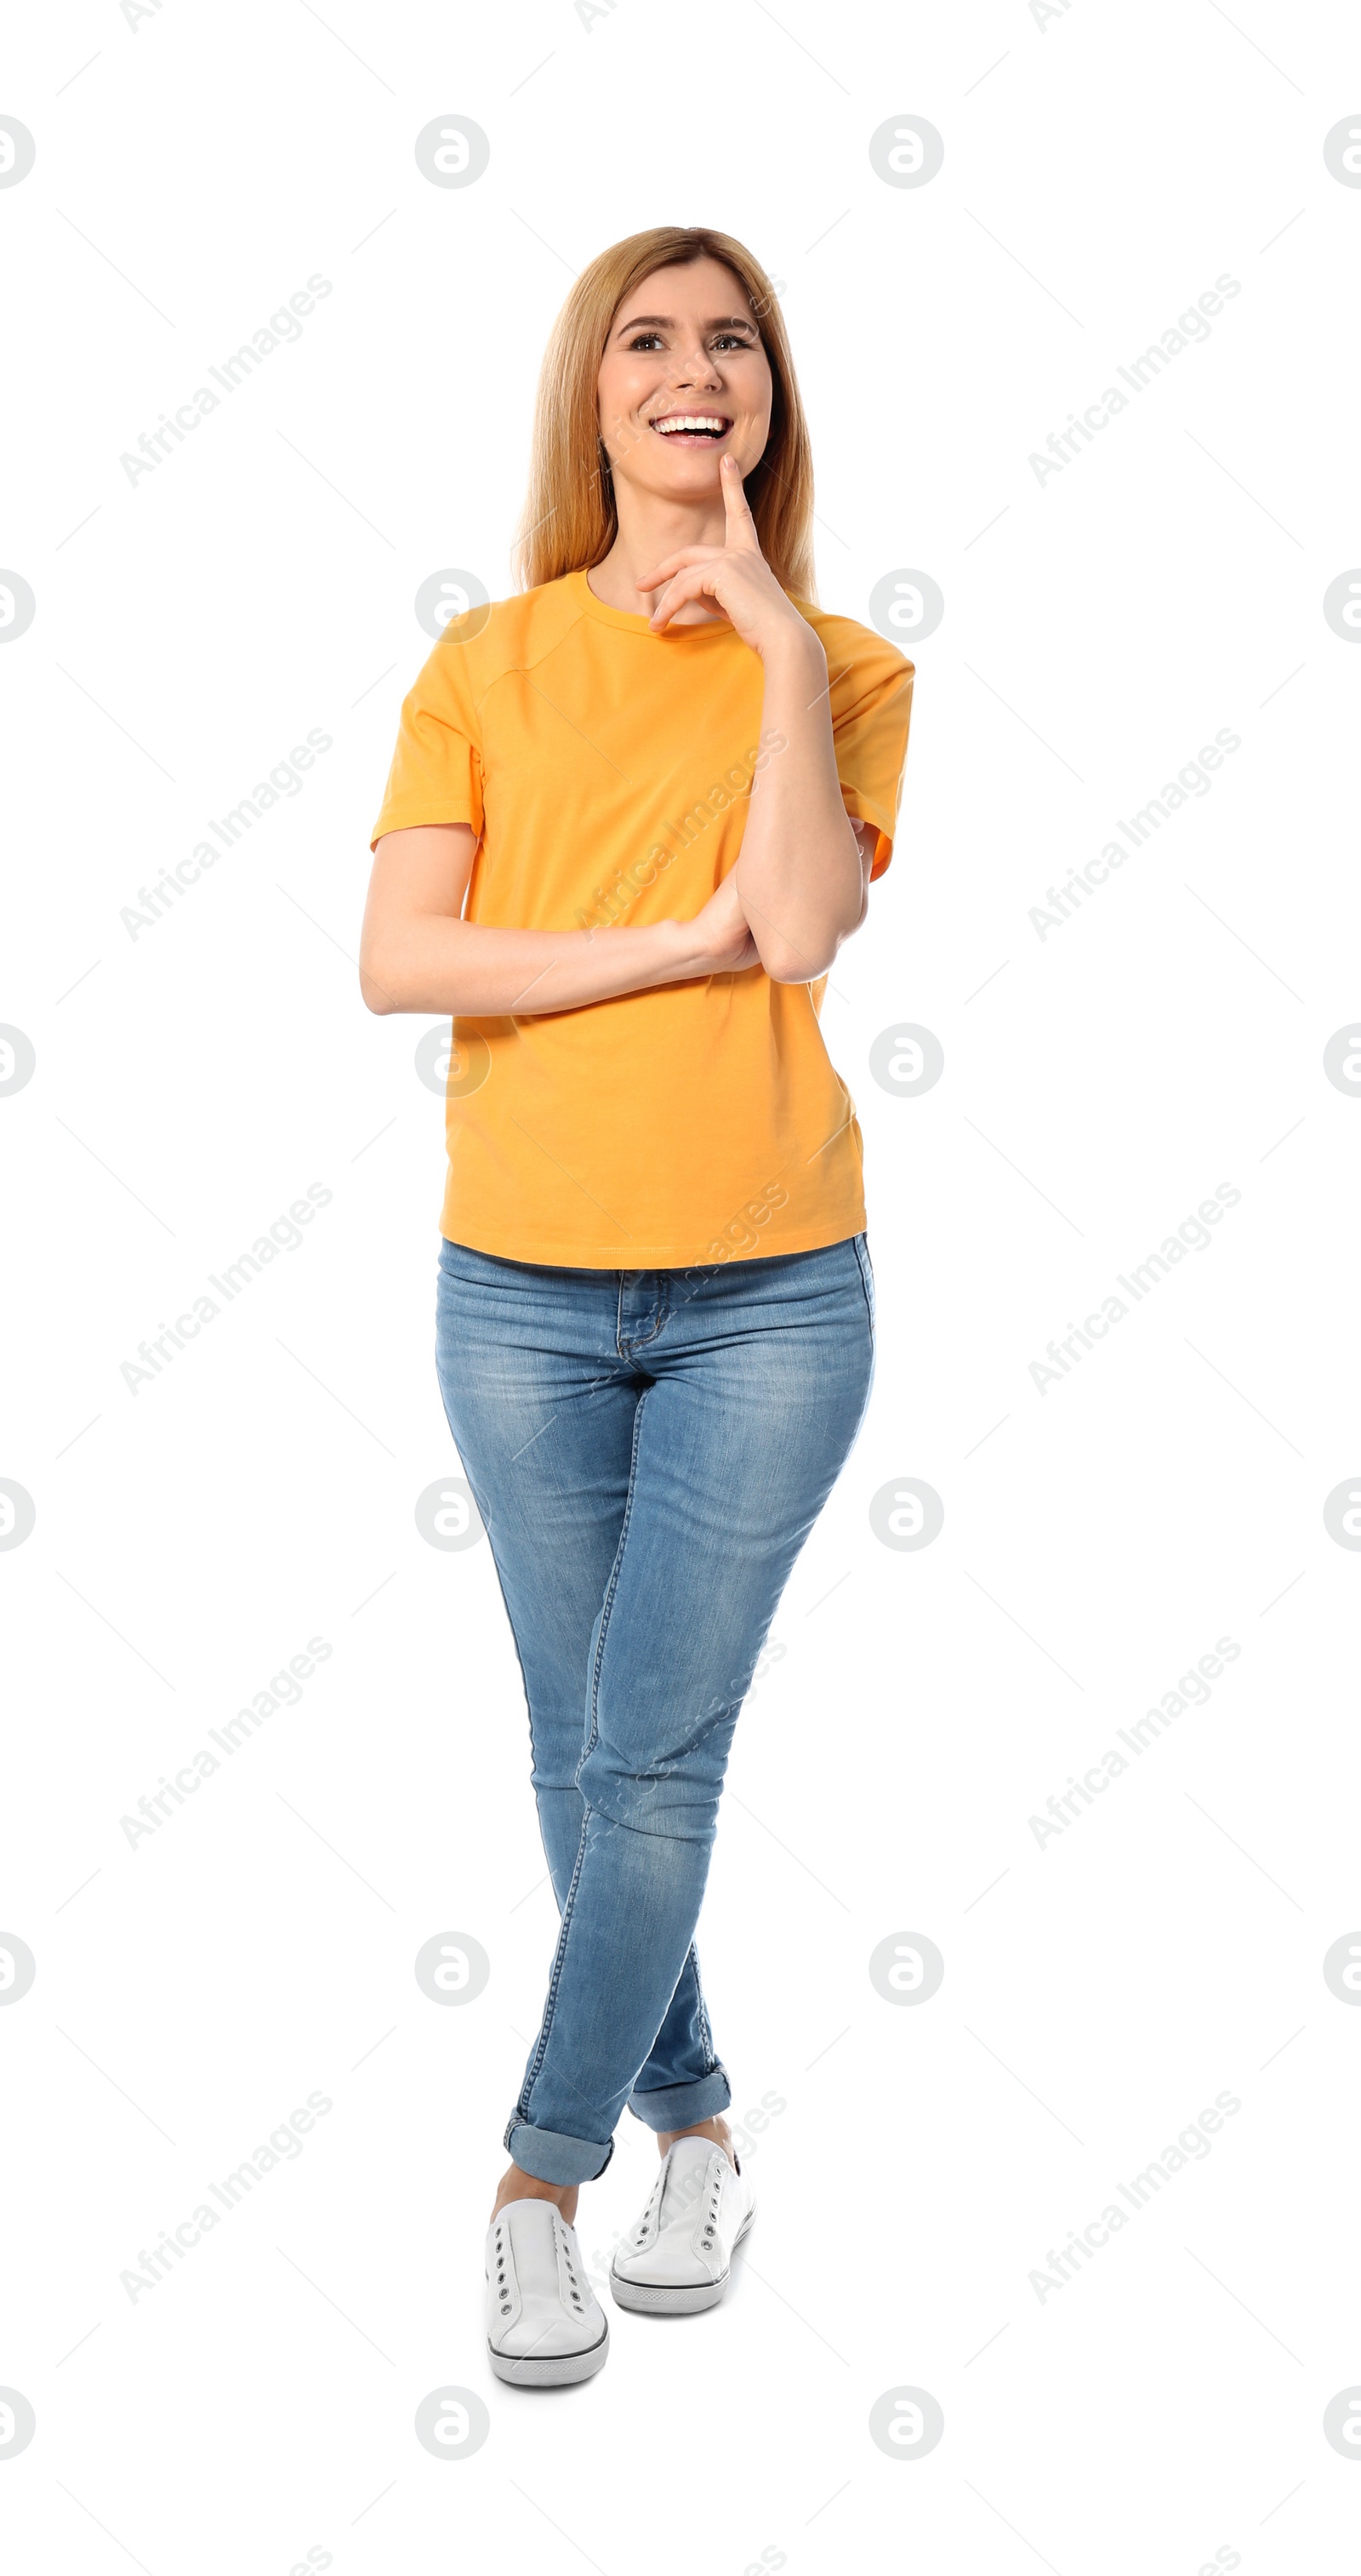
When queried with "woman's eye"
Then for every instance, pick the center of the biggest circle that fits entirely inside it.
(722, 340)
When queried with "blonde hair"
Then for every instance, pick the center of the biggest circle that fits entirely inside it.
(570, 519)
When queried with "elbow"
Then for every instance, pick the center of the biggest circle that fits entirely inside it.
(786, 964)
(814, 954)
(375, 986)
(794, 968)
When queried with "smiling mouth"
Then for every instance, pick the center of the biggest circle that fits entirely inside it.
(691, 428)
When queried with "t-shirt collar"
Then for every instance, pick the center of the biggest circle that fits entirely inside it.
(624, 619)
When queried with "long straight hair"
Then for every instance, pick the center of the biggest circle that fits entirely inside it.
(570, 518)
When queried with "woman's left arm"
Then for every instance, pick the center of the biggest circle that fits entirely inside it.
(803, 872)
(800, 877)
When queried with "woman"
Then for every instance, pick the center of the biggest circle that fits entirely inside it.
(632, 814)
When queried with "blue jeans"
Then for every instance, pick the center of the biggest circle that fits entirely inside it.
(648, 1450)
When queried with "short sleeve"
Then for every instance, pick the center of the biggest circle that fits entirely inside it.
(871, 704)
(436, 773)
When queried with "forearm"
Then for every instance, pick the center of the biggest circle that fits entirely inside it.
(432, 962)
(799, 876)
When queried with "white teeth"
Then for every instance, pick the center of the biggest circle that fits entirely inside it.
(688, 420)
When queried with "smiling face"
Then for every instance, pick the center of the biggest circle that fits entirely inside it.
(683, 381)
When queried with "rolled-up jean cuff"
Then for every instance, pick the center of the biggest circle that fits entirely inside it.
(679, 2106)
(551, 2157)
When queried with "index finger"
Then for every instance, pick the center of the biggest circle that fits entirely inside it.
(741, 527)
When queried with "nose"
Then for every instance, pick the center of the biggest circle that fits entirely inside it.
(696, 367)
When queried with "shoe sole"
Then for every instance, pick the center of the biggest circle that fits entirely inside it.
(550, 2369)
(674, 2299)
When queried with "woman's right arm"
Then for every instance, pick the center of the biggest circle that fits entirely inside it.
(417, 953)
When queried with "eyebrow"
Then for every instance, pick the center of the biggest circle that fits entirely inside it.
(666, 322)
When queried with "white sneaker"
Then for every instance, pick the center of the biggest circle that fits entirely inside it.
(678, 2257)
(545, 2327)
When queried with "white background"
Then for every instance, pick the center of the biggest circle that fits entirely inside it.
(1100, 172)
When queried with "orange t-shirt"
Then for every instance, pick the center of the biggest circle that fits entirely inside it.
(605, 770)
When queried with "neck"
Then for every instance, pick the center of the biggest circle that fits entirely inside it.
(649, 530)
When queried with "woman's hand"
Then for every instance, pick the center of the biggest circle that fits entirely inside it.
(720, 939)
(735, 577)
